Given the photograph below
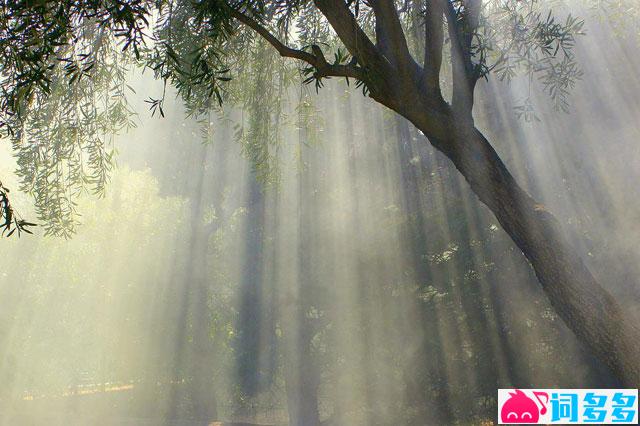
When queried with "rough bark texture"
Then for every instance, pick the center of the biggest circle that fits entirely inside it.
(585, 306)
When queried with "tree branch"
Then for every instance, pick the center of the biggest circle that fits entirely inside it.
(462, 26)
(354, 38)
(284, 50)
(389, 33)
(472, 14)
(434, 41)
(315, 59)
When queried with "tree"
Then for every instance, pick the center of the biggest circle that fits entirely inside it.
(398, 52)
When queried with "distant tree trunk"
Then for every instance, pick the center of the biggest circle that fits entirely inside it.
(194, 360)
(253, 323)
(427, 364)
(300, 374)
(201, 362)
(586, 307)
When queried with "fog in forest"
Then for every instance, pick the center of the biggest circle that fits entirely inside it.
(367, 280)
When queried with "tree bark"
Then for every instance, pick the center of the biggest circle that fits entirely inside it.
(584, 305)
(398, 83)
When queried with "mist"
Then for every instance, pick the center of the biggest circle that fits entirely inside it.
(366, 279)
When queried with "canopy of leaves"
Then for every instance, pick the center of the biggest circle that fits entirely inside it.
(65, 65)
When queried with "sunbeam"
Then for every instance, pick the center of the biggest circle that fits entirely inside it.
(303, 255)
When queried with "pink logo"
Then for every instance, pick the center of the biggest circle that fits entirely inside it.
(519, 408)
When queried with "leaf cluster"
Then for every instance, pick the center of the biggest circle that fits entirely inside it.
(62, 90)
(527, 38)
(9, 220)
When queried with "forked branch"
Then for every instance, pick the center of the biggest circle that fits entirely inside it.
(463, 21)
(315, 59)
(353, 36)
(389, 34)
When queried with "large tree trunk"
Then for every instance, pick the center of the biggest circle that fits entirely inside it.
(585, 306)
(395, 80)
